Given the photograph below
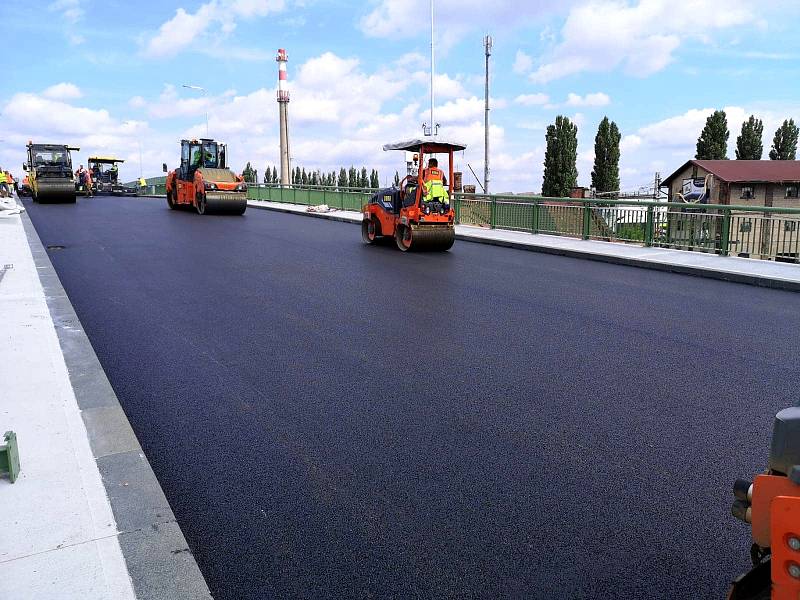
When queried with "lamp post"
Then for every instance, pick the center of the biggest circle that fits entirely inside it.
(139, 143)
(205, 95)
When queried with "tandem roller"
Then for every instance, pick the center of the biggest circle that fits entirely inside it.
(49, 173)
(417, 214)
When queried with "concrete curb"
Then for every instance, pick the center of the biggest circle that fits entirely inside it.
(159, 561)
(642, 263)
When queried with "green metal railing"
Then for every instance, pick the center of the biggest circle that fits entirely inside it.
(748, 231)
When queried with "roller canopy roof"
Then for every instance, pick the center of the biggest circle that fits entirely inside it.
(105, 159)
(431, 145)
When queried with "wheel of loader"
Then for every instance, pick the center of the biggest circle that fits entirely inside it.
(370, 231)
(170, 200)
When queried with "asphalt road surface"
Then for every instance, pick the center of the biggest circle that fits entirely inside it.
(331, 420)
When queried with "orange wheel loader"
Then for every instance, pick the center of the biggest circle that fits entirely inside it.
(771, 505)
(204, 181)
(418, 214)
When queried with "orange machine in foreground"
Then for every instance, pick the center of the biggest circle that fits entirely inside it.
(771, 504)
(418, 214)
(204, 181)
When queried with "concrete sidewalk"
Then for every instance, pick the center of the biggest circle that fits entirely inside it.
(727, 268)
(87, 518)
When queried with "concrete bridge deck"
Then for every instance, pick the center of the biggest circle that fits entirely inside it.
(328, 419)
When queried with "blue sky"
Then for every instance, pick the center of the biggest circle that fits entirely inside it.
(108, 76)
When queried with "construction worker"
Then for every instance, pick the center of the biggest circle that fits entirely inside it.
(114, 173)
(433, 182)
(142, 185)
(12, 183)
(3, 184)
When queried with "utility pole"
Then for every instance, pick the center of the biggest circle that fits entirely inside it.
(657, 186)
(433, 67)
(487, 45)
(203, 91)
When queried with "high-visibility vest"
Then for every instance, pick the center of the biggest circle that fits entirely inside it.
(433, 178)
(3, 177)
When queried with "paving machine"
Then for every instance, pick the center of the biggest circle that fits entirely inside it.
(49, 170)
(105, 176)
(771, 505)
(414, 214)
(204, 181)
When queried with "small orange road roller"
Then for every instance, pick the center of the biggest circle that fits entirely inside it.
(419, 213)
(771, 505)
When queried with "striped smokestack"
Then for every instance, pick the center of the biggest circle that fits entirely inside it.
(283, 111)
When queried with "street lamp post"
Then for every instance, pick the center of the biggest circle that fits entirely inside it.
(205, 95)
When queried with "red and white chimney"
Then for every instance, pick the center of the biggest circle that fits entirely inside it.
(283, 112)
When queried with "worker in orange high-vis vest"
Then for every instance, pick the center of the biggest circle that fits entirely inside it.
(433, 182)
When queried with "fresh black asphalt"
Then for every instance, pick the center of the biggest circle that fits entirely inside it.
(331, 420)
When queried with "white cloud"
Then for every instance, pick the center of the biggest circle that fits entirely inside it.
(63, 91)
(455, 18)
(640, 37)
(596, 99)
(184, 27)
(69, 10)
(522, 63)
(137, 102)
(532, 99)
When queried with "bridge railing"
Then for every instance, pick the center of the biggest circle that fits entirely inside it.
(749, 231)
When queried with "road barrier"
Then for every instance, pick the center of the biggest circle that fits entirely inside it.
(771, 233)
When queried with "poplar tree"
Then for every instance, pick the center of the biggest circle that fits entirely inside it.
(304, 177)
(560, 158)
(605, 176)
(397, 179)
(749, 145)
(784, 144)
(342, 183)
(352, 178)
(275, 175)
(713, 141)
(364, 179)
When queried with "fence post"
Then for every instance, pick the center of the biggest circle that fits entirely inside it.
(587, 219)
(535, 224)
(648, 227)
(493, 213)
(457, 207)
(726, 232)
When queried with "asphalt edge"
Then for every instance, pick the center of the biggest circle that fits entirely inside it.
(755, 280)
(160, 564)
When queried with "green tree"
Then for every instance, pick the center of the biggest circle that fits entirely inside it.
(352, 178)
(312, 180)
(784, 144)
(363, 181)
(560, 158)
(298, 179)
(713, 141)
(605, 176)
(397, 179)
(342, 183)
(749, 145)
(275, 178)
(374, 180)
(303, 177)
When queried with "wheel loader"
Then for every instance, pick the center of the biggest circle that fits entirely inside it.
(204, 182)
(771, 505)
(413, 214)
(49, 173)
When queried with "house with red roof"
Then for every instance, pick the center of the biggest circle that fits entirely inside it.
(737, 182)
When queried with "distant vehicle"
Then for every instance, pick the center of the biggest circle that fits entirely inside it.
(49, 170)
(204, 181)
(105, 176)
